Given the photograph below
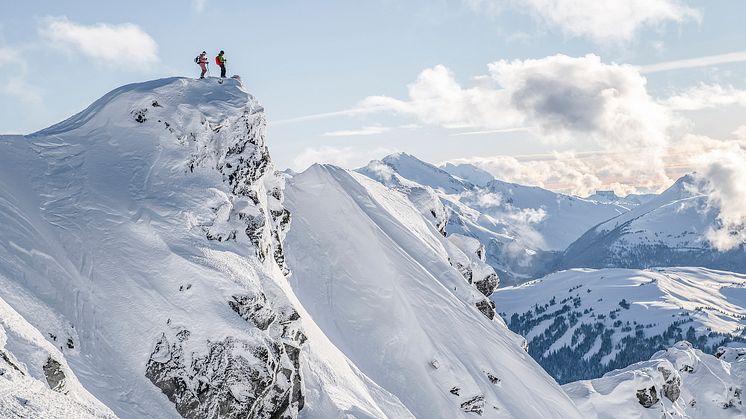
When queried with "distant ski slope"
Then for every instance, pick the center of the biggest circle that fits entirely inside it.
(583, 323)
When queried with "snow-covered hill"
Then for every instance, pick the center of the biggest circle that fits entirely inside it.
(582, 323)
(680, 382)
(668, 230)
(522, 228)
(393, 295)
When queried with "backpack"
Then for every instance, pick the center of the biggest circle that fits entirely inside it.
(217, 60)
(196, 60)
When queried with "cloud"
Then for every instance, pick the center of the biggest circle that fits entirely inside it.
(600, 21)
(706, 96)
(560, 99)
(490, 131)
(124, 45)
(347, 157)
(725, 171)
(706, 61)
(199, 5)
(374, 130)
(14, 78)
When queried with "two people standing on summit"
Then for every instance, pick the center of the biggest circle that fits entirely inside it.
(219, 60)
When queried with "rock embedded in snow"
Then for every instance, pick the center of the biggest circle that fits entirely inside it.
(680, 382)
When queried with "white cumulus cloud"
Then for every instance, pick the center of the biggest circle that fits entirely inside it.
(725, 170)
(125, 45)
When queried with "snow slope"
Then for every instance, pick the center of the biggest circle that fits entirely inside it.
(680, 382)
(668, 230)
(582, 323)
(35, 379)
(374, 275)
(522, 228)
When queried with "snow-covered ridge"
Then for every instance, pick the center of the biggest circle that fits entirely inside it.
(392, 293)
(668, 230)
(522, 228)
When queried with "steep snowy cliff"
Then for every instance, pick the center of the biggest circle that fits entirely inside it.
(142, 237)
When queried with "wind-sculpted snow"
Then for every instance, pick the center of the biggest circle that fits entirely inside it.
(374, 275)
(35, 379)
(522, 228)
(143, 238)
(679, 382)
(582, 323)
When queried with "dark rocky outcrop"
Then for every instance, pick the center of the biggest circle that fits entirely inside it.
(232, 378)
(672, 384)
(55, 375)
(474, 405)
(647, 396)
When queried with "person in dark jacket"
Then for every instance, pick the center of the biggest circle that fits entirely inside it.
(220, 60)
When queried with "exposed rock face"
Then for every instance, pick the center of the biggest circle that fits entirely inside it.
(55, 375)
(647, 396)
(256, 194)
(487, 308)
(256, 374)
(474, 405)
(672, 385)
(466, 254)
(232, 379)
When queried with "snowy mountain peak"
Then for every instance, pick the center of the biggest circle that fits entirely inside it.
(143, 237)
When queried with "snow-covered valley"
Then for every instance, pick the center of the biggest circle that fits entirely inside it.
(154, 264)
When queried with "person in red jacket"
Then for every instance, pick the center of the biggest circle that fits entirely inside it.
(220, 60)
(202, 61)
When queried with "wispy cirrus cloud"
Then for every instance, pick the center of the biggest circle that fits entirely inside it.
(697, 62)
(365, 131)
(601, 21)
(125, 45)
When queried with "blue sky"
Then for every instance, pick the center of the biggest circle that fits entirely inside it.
(346, 82)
